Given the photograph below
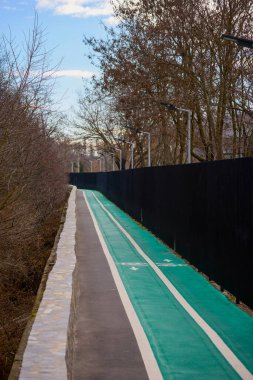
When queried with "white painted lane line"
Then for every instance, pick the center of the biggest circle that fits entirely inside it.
(134, 264)
(145, 264)
(147, 354)
(228, 354)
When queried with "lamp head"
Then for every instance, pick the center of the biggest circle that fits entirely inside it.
(169, 106)
(228, 37)
(243, 42)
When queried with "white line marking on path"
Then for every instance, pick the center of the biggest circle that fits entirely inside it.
(134, 264)
(171, 265)
(147, 354)
(228, 354)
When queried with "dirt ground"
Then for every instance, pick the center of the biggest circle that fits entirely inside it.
(20, 273)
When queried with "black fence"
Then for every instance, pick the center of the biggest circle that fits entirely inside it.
(204, 211)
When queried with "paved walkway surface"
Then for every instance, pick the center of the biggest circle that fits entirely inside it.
(105, 346)
(143, 312)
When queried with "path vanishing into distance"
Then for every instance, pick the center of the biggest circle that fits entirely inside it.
(145, 313)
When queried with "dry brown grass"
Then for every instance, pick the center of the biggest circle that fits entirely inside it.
(21, 269)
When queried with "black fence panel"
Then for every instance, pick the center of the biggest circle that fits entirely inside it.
(204, 211)
(89, 180)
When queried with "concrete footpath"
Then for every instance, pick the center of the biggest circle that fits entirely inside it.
(137, 310)
(105, 346)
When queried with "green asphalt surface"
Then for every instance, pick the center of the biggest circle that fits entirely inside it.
(182, 349)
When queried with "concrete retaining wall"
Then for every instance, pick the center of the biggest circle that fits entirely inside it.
(51, 336)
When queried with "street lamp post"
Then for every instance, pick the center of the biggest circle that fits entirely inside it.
(120, 158)
(78, 162)
(91, 166)
(112, 160)
(149, 142)
(100, 165)
(132, 150)
(132, 153)
(104, 156)
(172, 107)
(149, 147)
(243, 42)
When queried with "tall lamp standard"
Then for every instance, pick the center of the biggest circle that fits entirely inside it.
(149, 147)
(238, 40)
(100, 165)
(172, 107)
(112, 154)
(132, 150)
(78, 162)
(91, 166)
(120, 158)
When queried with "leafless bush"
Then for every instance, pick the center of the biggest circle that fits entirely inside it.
(32, 181)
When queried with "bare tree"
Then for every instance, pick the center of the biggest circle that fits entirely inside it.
(172, 51)
(32, 179)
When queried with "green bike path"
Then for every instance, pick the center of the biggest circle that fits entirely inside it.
(194, 332)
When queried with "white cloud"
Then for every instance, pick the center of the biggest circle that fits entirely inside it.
(71, 74)
(8, 8)
(112, 21)
(77, 8)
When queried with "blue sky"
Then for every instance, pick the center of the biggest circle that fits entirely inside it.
(65, 23)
